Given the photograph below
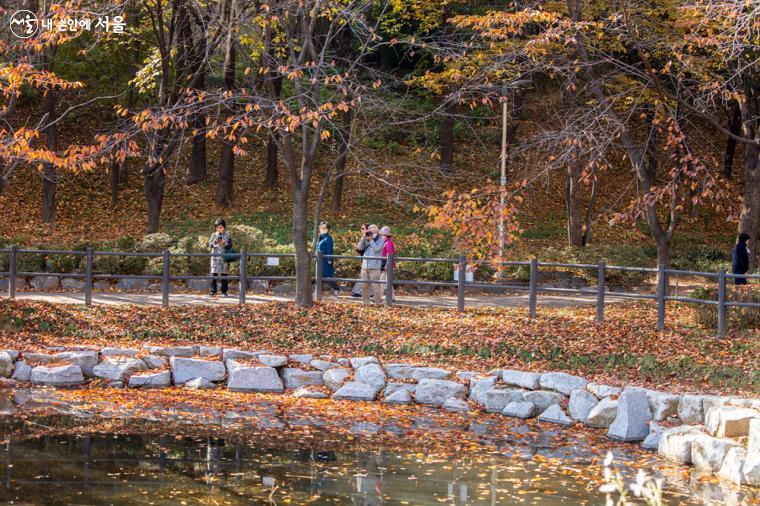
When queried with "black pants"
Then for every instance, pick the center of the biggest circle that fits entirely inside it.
(225, 283)
(740, 281)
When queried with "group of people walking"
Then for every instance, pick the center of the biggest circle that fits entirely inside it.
(375, 245)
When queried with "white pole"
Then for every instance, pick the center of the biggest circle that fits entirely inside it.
(503, 181)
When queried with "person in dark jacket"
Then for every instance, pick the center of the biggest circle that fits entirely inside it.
(325, 246)
(740, 258)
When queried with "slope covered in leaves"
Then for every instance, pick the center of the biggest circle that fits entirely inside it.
(624, 350)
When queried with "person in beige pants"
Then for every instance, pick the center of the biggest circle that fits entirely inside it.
(372, 267)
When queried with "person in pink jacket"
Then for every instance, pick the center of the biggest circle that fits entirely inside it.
(388, 249)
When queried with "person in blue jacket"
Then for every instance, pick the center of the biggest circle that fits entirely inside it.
(740, 258)
(325, 245)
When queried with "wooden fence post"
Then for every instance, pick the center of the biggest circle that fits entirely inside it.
(389, 279)
(661, 289)
(600, 291)
(461, 282)
(533, 296)
(722, 303)
(242, 277)
(12, 270)
(165, 279)
(88, 266)
(318, 279)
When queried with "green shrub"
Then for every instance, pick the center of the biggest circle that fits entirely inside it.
(702, 258)
(63, 263)
(132, 265)
(106, 264)
(155, 242)
(30, 262)
(736, 317)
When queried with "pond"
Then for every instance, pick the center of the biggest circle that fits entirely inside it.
(54, 457)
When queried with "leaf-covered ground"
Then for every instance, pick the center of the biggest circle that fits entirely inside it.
(624, 350)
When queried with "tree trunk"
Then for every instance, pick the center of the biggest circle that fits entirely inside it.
(736, 128)
(114, 173)
(446, 139)
(573, 205)
(749, 220)
(272, 173)
(197, 171)
(300, 242)
(340, 164)
(224, 187)
(49, 172)
(153, 183)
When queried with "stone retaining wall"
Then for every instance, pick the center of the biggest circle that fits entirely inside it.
(713, 433)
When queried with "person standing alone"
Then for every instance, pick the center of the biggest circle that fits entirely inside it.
(220, 243)
(325, 246)
(740, 258)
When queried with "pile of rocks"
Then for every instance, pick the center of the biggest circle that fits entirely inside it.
(695, 429)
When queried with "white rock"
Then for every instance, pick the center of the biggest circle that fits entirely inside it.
(22, 371)
(399, 371)
(708, 453)
(301, 358)
(602, 391)
(44, 282)
(399, 396)
(6, 364)
(323, 365)
(456, 406)
(371, 374)
(675, 443)
(155, 362)
(751, 469)
(663, 405)
(173, 351)
(554, 414)
(60, 376)
(110, 351)
(86, 360)
(562, 382)
(652, 441)
(632, 420)
(309, 394)
(466, 375)
(519, 409)
(199, 384)
(421, 373)
(210, 351)
(580, 405)
(395, 387)
(273, 360)
(13, 354)
(753, 444)
(690, 409)
(186, 369)
(72, 284)
(151, 380)
(334, 378)
(732, 468)
(716, 401)
(297, 378)
(355, 391)
(234, 354)
(729, 421)
(245, 378)
(603, 414)
(498, 398)
(357, 362)
(522, 379)
(435, 391)
(118, 368)
(479, 387)
(543, 399)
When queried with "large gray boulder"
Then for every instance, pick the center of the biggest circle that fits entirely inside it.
(399, 371)
(555, 414)
(392, 388)
(498, 398)
(273, 360)
(59, 376)
(675, 443)
(173, 351)
(456, 406)
(110, 351)
(159, 379)
(421, 373)
(307, 393)
(652, 441)
(155, 362)
(601, 391)
(357, 362)
(479, 387)
(663, 405)
(753, 445)
(708, 453)
(371, 374)
(581, 404)
(246, 378)
(297, 378)
(522, 379)
(398, 396)
(729, 421)
(690, 409)
(44, 282)
(437, 392)
(86, 360)
(334, 378)
(72, 284)
(132, 284)
(733, 465)
(543, 399)
(355, 391)
(603, 414)
(118, 368)
(234, 354)
(200, 384)
(520, 409)
(633, 415)
(210, 351)
(22, 371)
(323, 365)
(186, 369)
(6, 364)
(562, 382)
(301, 358)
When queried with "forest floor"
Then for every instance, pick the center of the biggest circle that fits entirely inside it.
(624, 349)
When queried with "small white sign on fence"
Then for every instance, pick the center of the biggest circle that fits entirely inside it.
(468, 276)
(273, 261)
